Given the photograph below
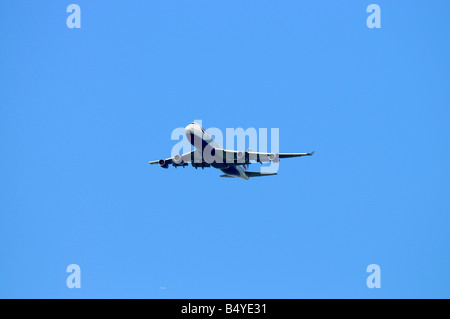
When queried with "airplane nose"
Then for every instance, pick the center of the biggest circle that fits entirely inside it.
(189, 129)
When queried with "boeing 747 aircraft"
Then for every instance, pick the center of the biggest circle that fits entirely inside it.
(208, 153)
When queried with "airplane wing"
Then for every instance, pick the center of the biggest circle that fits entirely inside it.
(225, 156)
(267, 156)
(177, 160)
(194, 157)
(240, 157)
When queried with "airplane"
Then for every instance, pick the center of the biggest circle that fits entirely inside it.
(209, 153)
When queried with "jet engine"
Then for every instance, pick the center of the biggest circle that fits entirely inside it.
(163, 163)
(177, 159)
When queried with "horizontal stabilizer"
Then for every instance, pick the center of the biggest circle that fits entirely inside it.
(258, 174)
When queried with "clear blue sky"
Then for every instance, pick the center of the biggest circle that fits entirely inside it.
(82, 111)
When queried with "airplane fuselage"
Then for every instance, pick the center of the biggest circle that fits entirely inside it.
(204, 142)
(209, 153)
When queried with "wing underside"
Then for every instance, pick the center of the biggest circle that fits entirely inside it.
(239, 157)
(222, 156)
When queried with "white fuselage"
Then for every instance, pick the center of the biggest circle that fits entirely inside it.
(202, 140)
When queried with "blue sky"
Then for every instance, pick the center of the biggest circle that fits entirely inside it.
(84, 110)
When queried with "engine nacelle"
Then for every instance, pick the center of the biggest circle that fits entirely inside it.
(177, 159)
(163, 163)
(240, 157)
(272, 156)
